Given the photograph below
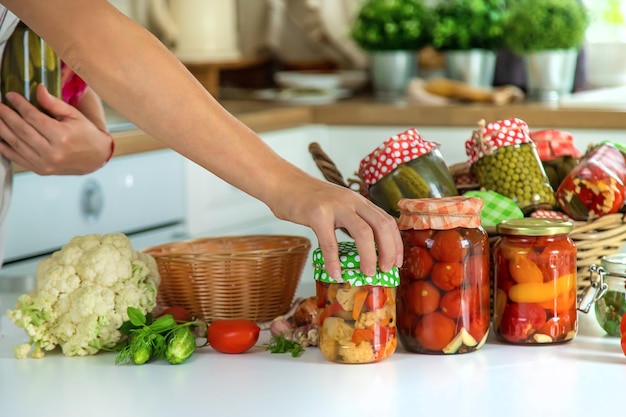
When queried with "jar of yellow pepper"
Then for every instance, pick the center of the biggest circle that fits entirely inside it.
(535, 299)
(357, 315)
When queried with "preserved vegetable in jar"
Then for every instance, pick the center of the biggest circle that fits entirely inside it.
(557, 153)
(405, 166)
(357, 317)
(444, 293)
(504, 159)
(27, 62)
(535, 300)
(611, 306)
(596, 186)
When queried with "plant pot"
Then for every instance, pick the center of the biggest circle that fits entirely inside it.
(474, 67)
(550, 74)
(391, 73)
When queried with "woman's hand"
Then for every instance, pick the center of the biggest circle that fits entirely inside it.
(325, 207)
(68, 143)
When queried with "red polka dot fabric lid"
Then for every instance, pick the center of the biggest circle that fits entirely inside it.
(396, 150)
(489, 137)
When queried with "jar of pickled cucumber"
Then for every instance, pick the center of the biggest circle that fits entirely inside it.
(357, 316)
(611, 306)
(405, 166)
(27, 62)
(444, 294)
(557, 153)
(504, 159)
(534, 268)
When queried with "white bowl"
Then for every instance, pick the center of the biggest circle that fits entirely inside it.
(321, 80)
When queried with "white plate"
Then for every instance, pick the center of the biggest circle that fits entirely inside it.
(302, 96)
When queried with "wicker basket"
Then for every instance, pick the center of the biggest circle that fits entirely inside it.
(253, 277)
(594, 239)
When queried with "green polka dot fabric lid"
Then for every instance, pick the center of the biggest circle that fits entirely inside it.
(351, 271)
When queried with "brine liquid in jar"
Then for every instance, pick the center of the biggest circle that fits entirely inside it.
(356, 317)
(27, 62)
(444, 293)
(535, 294)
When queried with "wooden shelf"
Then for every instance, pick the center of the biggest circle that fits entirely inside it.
(208, 72)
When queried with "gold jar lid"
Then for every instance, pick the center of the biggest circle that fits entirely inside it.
(529, 226)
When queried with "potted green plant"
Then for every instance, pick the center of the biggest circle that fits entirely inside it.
(469, 33)
(548, 34)
(392, 32)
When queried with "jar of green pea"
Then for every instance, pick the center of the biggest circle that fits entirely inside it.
(504, 159)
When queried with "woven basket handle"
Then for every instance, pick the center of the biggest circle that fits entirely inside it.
(331, 172)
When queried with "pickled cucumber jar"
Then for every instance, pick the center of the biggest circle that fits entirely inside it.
(27, 62)
(534, 268)
(357, 316)
(405, 166)
(611, 306)
(504, 159)
(444, 293)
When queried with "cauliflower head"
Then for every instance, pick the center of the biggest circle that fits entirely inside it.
(82, 294)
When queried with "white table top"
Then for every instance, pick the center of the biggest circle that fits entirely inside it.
(585, 377)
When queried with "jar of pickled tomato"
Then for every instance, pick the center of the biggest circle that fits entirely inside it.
(535, 282)
(444, 293)
(357, 315)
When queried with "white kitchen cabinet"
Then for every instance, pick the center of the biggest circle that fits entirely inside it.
(215, 207)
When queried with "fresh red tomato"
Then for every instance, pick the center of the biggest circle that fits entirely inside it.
(622, 328)
(418, 263)
(180, 314)
(521, 320)
(232, 336)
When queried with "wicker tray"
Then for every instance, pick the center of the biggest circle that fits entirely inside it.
(594, 239)
(253, 277)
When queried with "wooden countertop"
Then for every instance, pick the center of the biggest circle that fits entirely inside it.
(263, 117)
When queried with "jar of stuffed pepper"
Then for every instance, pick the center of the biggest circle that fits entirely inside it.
(27, 62)
(405, 166)
(596, 186)
(535, 284)
(504, 159)
(444, 293)
(357, 316)
(610, 307)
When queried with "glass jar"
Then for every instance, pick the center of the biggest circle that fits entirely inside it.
(405, 166)
(611, 306)
(27, 62)
(504, 159)
(596, 186)
(356, 317)
(534, 263)
(444, 292)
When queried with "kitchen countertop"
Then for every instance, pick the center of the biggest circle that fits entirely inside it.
(584, 377)
(363, 110)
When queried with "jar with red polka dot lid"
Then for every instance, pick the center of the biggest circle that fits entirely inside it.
(405, 166)
(504, 159)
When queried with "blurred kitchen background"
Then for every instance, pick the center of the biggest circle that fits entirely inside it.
(241, 44)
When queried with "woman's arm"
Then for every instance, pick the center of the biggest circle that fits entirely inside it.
(134, 73)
